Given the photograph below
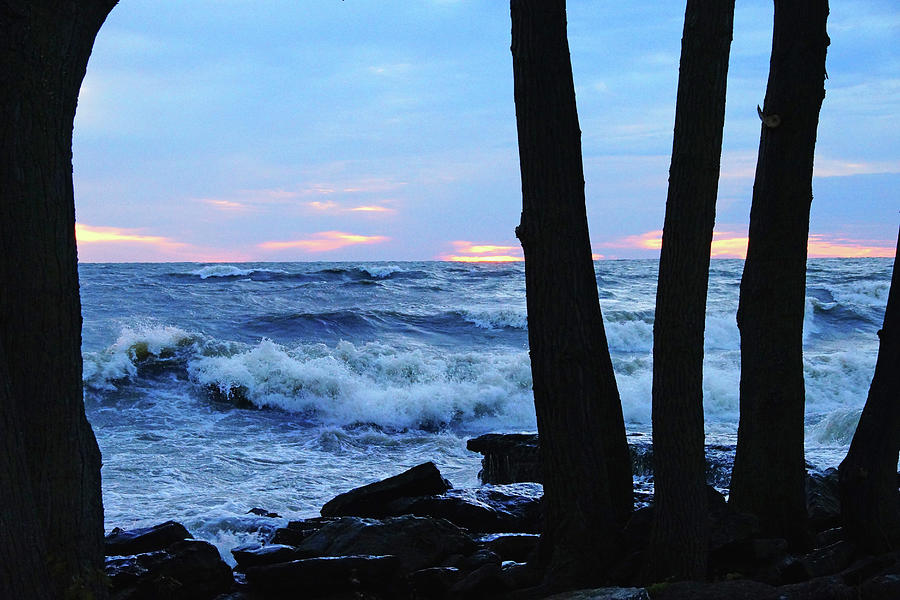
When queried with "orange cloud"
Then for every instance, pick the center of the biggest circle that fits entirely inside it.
(86, 234)
(370, 209)
(478, 253)
(325, 241)
(728, 244)
(228, 205)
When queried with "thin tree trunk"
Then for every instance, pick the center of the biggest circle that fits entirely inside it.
(678, 546)
(769, 469)
(44, 48)
(587, 471)
(870, 502)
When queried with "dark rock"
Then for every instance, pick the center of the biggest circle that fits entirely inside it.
(312, 577)
(516, 547)
(120, 542)
(371, 500)
(826, 588)
(478, 559)
(483, 582)
(823, 500)
(514, 457)
(828, 537)
(487, 509)
(768, 549)
(608, 593)
(866, 568)
(261, 512)
(517, 575)
(729, 528)
(433, 582)
(297, 531)
(821, 562)
(508, 457)
(883, 587)
(251, 555)
(185, 570)
(739, 589)
(418, 542)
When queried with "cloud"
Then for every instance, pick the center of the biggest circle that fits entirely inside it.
(325, 241)
(477, 253)
(729, 244)
(226, 205)
(87, 234)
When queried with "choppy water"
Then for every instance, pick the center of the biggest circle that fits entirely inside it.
(216, 388)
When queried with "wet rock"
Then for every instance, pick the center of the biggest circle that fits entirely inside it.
(297, 531)
(739, 589)
(882, 587)
(252, 555)
(261, 512)
(185, 570)
(608, 593)
(828, 588)
(372, 500)
(508, 457)
(517, 575)
(823, 500)
(487, 509)
(120, 542)
(483, 582)
(433, 582)
(516, 547)
(315, 577)
(821, 562)
(417, 542)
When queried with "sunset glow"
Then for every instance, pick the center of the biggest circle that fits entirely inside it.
(728, 244)
(470, 252)
(325, 241)
(86, 234)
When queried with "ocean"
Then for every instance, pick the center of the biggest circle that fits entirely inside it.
(215, 388)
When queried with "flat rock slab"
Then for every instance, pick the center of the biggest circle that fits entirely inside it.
(120, 542)
(373, 499)
(312, 577)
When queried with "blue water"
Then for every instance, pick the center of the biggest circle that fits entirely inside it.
(216, 388)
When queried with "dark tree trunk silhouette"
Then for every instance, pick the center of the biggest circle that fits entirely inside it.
(870, 502)
(587, 471)
(769, 468)
(55, 462)
(678, 546)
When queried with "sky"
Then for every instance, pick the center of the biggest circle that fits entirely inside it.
(380, 130)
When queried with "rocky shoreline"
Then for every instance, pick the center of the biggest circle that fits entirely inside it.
(414, 536)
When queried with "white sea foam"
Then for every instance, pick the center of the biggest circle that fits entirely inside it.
(382, 271)
(496, 317)
(376, 383)
(135, 344)
(228, 271)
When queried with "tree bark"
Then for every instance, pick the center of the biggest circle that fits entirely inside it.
(587, 471)
(870, 502)
(678, 546)
(769, 469)
(44, 49)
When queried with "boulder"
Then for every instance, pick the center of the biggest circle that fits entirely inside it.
(823, 500)
(825, 588)
(261, 512)
(297, 531)
(185, 570)
(252, 555)
(372, 500)
(314, 577)
(417, 542)
(883, 587)
(516, 547)
(821, 562)
(607, 593)
(739, 589)
(487, 509)
(483, 582)
(120, 542)
(508, 457)
(433, 582)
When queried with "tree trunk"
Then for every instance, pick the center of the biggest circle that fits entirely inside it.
(678, 546)
(587, 471)
(769, 469)
(44, 48)
(870, 502)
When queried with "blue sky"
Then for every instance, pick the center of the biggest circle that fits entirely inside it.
(230, 130)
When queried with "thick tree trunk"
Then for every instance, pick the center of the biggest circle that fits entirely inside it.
(587, 472)
(870, 502)
(678, 546)
(44, 48)
(769, 468)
